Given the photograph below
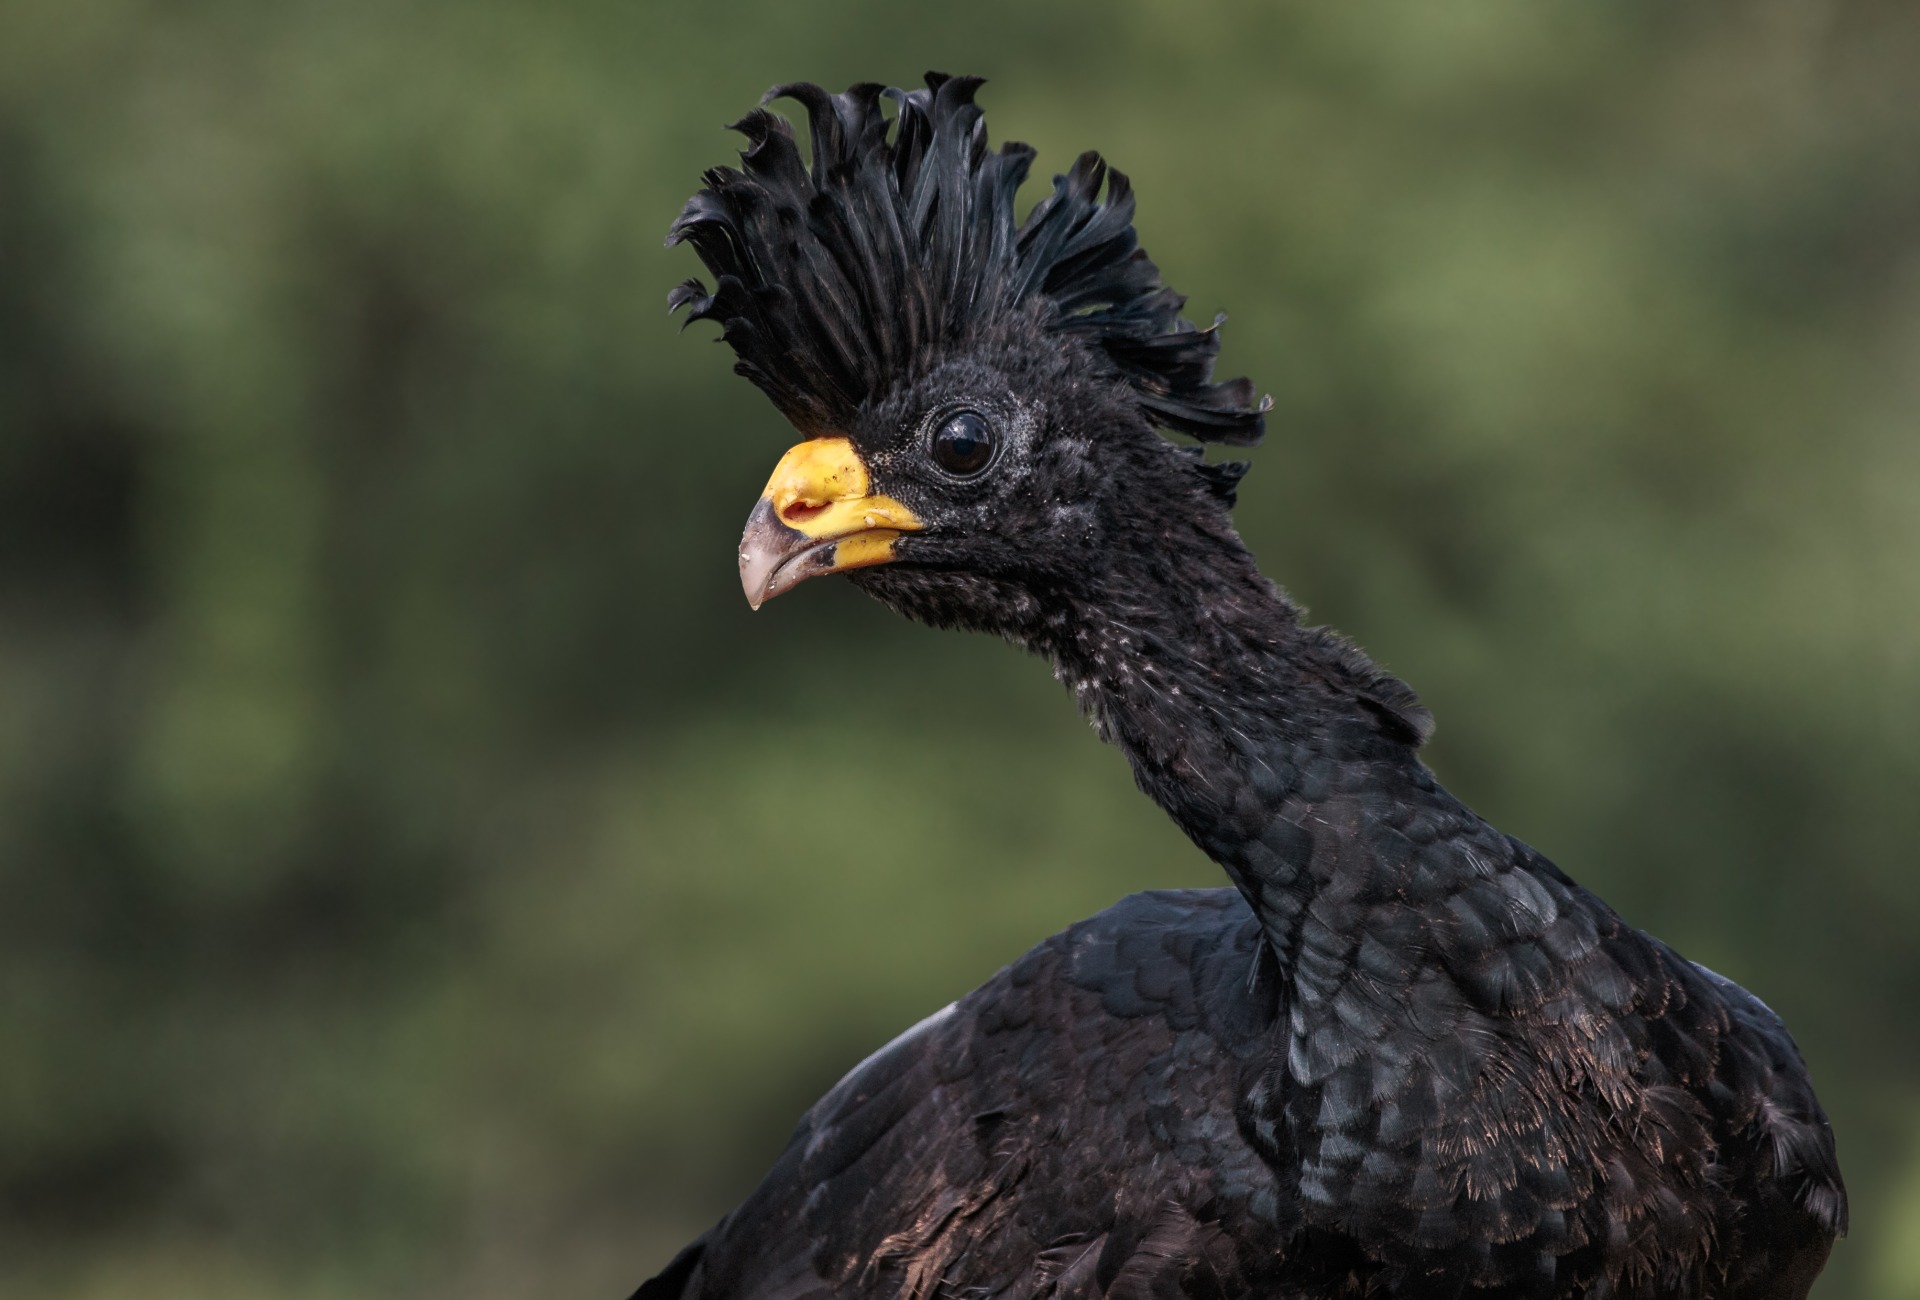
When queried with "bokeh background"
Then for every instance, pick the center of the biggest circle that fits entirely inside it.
(416, 876)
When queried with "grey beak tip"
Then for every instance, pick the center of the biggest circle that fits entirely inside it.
(764, 547)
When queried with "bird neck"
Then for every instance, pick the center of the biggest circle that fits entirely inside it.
(1278, 748)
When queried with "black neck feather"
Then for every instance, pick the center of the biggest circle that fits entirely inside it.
(1264, 739)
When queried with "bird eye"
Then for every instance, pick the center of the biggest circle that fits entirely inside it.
(964, 444)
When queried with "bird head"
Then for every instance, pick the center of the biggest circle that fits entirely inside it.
(979, 397)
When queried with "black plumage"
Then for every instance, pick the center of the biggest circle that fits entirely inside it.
(1405, 1055)
(837, 283)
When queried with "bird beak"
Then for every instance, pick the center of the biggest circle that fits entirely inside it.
(816, 516)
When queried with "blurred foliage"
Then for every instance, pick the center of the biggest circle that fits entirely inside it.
(419, 874)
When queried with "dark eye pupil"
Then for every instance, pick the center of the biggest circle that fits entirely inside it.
(964, 444)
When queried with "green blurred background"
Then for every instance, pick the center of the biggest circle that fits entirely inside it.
(416, 872)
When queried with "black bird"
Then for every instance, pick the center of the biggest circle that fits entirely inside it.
(1405, 1055)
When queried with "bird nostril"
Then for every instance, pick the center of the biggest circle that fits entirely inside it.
(798, 512)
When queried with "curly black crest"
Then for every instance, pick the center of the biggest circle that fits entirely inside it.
(899, 247)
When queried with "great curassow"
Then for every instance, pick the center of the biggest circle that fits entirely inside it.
(1404, 1055)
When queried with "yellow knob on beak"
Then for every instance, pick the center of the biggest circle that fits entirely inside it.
(817, 516)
